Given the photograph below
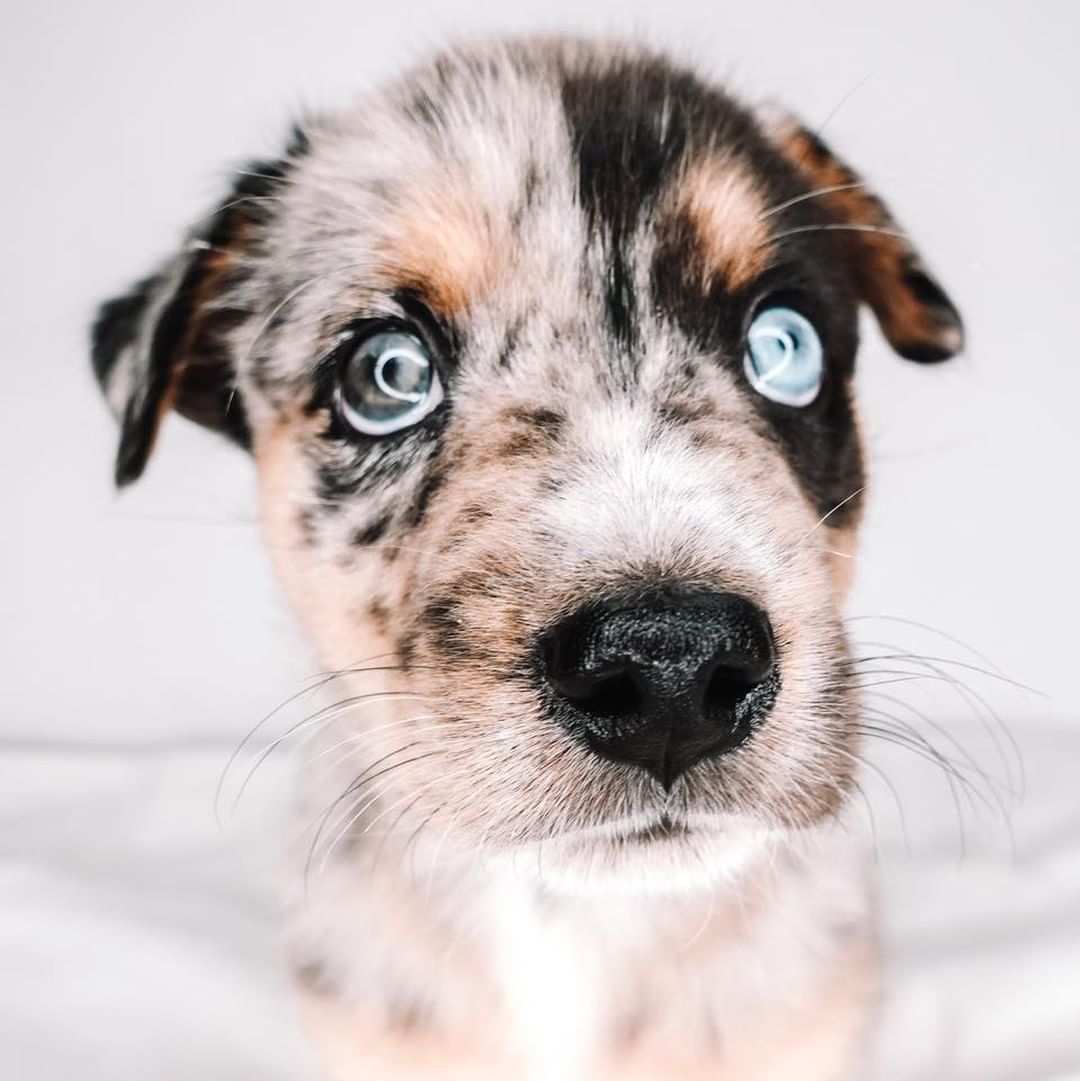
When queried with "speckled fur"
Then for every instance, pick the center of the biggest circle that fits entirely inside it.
(589, 226)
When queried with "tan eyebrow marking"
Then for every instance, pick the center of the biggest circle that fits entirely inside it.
(725, 204)
(446, 244)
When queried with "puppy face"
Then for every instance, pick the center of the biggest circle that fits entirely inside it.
(545, 358)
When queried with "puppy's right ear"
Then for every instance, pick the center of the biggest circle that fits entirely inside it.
(167, 344)
(157, 347)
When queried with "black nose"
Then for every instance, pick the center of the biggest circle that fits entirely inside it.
(663, 682)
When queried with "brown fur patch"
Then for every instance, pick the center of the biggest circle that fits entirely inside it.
(379, 615)
(724, 203)
(444, 243)
(527, 437)
(681, 410)
(473, 514)
(326, 597)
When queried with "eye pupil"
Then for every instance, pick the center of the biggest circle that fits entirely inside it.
(784, 358)
(773, 350)
(401, 375)
(388, 382)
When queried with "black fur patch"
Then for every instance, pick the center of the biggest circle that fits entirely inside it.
(549, 421)
(430, 485)
(632, 123)
(187, 355)
(620, 295)
(374, 531)
(379, 614)
(423, 110)
(441, 618)
(927, 291)
(509, 344)
(473, 514)
(115, 327)
(306, 521)
(373, 463)
(348, 465)
(934, 300)
(406, 649)
(676, 412)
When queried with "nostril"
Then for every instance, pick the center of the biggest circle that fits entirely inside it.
(609, 695)
(726, 688)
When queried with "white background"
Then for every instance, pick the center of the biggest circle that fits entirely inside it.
(151, 614)
(136, 938)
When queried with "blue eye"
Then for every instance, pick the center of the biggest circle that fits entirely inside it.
(784, 359)
(388, 382)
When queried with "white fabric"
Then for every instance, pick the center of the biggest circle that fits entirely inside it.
(137, 937)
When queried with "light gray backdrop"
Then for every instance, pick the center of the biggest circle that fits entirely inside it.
(152, 616)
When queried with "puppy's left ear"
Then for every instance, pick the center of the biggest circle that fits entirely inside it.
(916, 316)
(167, 344)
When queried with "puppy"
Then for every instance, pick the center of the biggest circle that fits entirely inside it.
(544, 354)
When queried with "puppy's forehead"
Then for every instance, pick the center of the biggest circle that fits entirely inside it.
(507, 180)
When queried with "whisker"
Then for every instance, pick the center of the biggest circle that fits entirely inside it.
(231, 204)
(926, 658)
(438, 556)
(921, 747)
(871, 817)
(321, 680)
(828, 514)
(839, 227)
(390, 830)
(354, 815)
(967, 693)
(366, 733)
(817, 193)
(874, 768)
(409, 848)
(278, 308)
(834, 552)
(415, 798)
(366, 777)
(906, 730)
(947, 773)
(844, 99)
(1001, 793)
(931, 630)
(320, 717)
(947, 735)
(222, 779)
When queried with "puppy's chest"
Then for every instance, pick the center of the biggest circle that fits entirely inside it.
(559, 1011)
